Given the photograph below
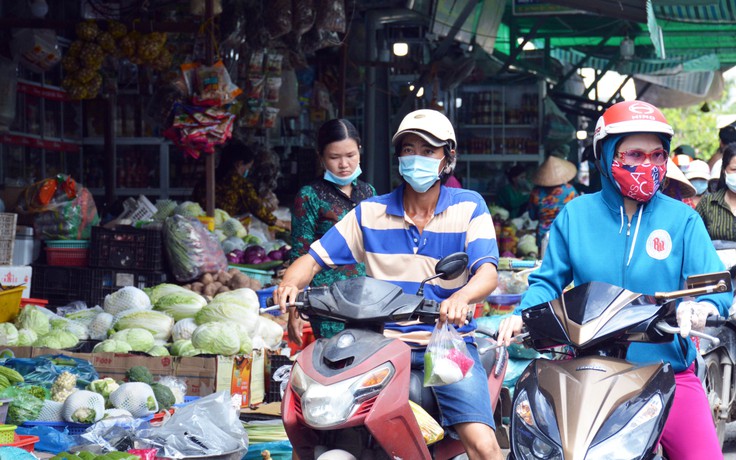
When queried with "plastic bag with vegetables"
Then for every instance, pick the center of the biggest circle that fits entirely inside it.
(23, 407)
(192, 250)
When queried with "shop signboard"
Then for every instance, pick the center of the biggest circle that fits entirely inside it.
(538, 7)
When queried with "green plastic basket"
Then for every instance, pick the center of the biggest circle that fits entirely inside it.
(67, 244)
(262, 276)
(7, 434)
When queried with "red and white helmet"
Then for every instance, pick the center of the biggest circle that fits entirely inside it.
(629, 117)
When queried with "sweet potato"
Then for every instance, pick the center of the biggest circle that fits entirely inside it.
(207, 278)
(224, 277)
(238, 281)
(222, 289)
(234, 271)
(197, 287)
(209, 290)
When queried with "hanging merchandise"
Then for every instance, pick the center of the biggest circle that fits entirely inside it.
(278, 18)
(36, 49)
(205, 122)
(331, 16)
(263, 89)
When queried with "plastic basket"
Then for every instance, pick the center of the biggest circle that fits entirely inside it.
(71, 427)
(126, 247)
(6, 252)
(7, 434)
(138, 209)
(262, 276)
(264, 295)
(10, 303)
(7, 225)
(67, 257)
(27, 443)
(67, 244)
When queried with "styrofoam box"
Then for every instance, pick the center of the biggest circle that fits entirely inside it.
(11, 275)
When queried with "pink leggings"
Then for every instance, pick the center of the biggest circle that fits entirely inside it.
(689, 433)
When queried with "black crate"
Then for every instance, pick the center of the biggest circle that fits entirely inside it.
(273, 387)
(60, 285)
(106, 281)
(126, 247)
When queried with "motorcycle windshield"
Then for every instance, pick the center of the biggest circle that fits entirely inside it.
(363, 300)
(588, 314)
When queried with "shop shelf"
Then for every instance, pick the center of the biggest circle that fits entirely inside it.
(126, 247)
(60, 285)
(107, 281)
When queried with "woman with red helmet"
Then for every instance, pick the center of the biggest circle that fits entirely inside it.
(631, 235)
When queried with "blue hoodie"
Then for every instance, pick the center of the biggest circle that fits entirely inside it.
(592, 239)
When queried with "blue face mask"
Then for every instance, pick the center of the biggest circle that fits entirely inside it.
(701, 185)
(342, 181)
(419, 172)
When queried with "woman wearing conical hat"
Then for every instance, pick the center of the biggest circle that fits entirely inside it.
(552, 191)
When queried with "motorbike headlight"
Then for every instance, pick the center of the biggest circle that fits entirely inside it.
(631, 440)
(324, 406)
(532, 442)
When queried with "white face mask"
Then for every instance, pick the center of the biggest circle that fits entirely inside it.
(731, 181)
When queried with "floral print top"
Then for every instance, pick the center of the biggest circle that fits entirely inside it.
(546, 202)
(317, 208)
(235, 195)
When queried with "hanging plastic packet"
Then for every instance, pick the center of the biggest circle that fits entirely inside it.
(447, 359)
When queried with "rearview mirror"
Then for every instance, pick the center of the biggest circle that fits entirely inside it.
(711, 279)
(452, 266)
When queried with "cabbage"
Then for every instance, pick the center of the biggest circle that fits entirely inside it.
(135, 397)
(220, 235)
(100, 325)
(180, 305)
(217, 311)
(183, 329)
(158, 350)
(83, 406)
(270, 332)
(220, 216)
(78, 329)
(57, 338)
(246, 344)
(232, 243)
(184, 348)
(216, 338)
(8, 335)
(189, 209)
(126, 298)
(26, 337)
(156, 322)
(112, 346)
(164, 208)
(233, 227)
(85, 316)
(245, 297)
(31, 317)
(156, 292)
(138, 339)
(103, 386)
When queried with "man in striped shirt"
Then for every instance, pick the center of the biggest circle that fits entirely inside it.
(400, 237)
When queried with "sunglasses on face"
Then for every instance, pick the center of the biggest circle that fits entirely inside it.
(634, 157)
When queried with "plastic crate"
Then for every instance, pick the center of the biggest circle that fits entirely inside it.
(138, 209)
(263, 276)
(10, 303)
(71, 427)
(8, 221)
(67, 244)
(6, 252)
(7, 434)
(67, 257)
(27, 443)
(275, 362)
(106, 281)
(126, 247)
(60, 285)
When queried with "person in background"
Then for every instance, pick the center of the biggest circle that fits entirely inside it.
(514, 196)
(718, 209)
(676, 185)
(685, 149)
(698, 173)
(234, 193)
(552, 191)
(452, 182)
(321, 204)
(726, 135)
(400, 237)
(630, 235)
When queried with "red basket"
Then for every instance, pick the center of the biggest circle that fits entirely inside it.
(27, 443)
(67, 257)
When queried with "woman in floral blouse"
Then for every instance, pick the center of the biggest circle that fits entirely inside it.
(234, 193)
(551, 192)
(321, 204)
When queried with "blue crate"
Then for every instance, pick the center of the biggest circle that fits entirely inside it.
(72, 428)
(264, 295)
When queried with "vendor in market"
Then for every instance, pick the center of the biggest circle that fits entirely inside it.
(234, 192)
(514, 196)
(552, 191)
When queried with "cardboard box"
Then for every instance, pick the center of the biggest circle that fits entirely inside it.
(18, 352)
(203, 375)
(11, 275)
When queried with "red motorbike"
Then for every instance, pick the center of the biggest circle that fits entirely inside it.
(350, 393)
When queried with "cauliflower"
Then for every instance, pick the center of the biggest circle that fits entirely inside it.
(64, 385)
(103, 386)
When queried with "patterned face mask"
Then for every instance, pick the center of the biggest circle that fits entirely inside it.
(639, 182)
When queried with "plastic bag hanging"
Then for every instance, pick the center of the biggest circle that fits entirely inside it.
(447, 359)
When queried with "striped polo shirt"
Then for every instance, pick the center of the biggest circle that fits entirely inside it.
(717, 216)
(380, 234)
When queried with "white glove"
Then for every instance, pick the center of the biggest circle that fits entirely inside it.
(692, 315)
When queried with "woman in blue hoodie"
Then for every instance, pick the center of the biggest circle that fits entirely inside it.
(631, 235)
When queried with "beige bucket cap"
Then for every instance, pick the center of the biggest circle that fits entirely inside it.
(675, 174)
(553, 172)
